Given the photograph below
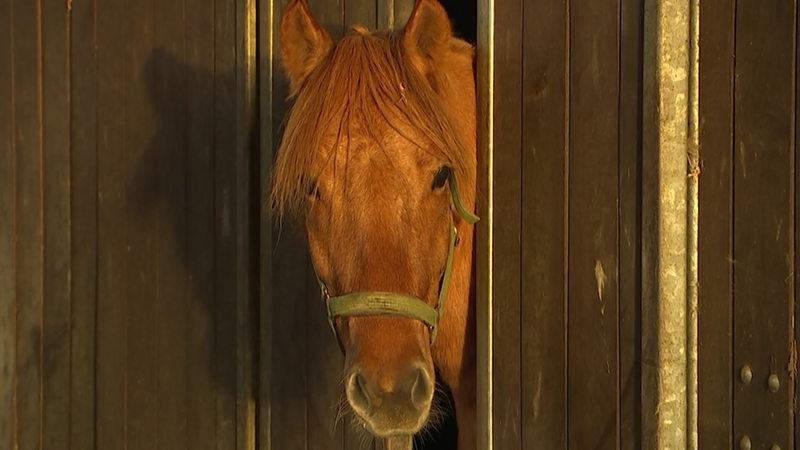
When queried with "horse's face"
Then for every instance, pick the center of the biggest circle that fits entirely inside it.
(377, 206)
(380, 223)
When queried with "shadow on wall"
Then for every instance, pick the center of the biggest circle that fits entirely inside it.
(186, 180)
(177, 180)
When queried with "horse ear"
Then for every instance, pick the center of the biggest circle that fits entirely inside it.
(303, 42)
(427, 35)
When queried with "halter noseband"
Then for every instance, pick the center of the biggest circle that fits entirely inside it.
(395, 304)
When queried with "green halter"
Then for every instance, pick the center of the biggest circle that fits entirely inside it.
(395, 304)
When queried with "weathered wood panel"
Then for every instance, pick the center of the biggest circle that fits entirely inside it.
(141, 233)
(544, 224)
(129, 191)
(28, 191)
(506, 227)
(111, 226)
(170, 176)
(715, 247)
(763, 219)
(84, 213)
(8, 261)
(593, 227)
(127, 168)
(197, 76)
(56, 317)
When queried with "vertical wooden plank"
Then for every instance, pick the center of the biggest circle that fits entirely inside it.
(84, 230)
(506, 223)
(593, 259)
(763, 217)
(201, 384)
(166, 161)
(55, 139)
(141, 237)
(27, 55)
(544, 207)
(289, 338)
(225, 218)
(630, 224)
(7, 228)
(715, 247)
(112, 295)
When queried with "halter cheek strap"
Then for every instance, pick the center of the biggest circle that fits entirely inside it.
(396, 304)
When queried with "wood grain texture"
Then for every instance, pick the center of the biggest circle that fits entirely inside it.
(715, 247)
(56, 317)
(141, 237)
(29, 235)
(763, 180)
(507, 222)
(544, 229)
(200, 261)
(166, 163)
(8, 263)
(593, 225)
(84, 231)
(112, 266)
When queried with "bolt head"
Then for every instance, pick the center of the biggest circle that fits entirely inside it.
(746, 374)
(773, 383)
(745, 443)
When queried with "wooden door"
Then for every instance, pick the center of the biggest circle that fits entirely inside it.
(126, 218)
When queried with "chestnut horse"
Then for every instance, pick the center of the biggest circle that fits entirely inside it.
(382, 126)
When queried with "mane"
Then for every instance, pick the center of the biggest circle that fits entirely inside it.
(364, 78)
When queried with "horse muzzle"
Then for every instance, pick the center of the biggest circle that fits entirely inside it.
(391, 404)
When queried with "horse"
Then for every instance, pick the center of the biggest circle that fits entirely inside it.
(378, 160)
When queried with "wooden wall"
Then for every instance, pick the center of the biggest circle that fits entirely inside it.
(563, 179)
(125, 226)
(561, 254)
(748, 232)
(148, 300)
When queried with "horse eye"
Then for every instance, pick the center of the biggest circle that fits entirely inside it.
(441, 177)
(311, 187)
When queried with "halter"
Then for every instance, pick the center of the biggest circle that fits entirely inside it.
(396, 304)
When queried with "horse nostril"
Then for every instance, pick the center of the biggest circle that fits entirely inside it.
(357, 393)
(422, 389)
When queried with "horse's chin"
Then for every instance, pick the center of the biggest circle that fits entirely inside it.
(385, 427)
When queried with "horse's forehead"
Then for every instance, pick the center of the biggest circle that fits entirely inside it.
(385, 151)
